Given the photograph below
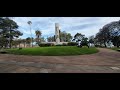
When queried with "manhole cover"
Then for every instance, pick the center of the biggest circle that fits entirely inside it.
(115, 68)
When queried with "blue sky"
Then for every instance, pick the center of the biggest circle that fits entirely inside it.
(85, 25)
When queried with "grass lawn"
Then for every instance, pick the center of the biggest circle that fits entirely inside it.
(53, 51)
(115, 48)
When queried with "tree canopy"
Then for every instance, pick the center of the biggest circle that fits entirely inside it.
(109, 32)
(8, 31)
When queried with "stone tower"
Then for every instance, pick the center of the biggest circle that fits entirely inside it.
(57, 33)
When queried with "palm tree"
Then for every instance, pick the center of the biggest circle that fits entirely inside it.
(24, 42)
(28, 40)
(19, 42)
(29, 22)
(38, 35)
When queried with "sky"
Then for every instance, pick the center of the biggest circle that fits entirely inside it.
(85, 25)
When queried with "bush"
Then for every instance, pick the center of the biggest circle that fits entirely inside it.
(2, 51)
(98, 46)
(20, 48)
(46, 44)
(118, 50)
(64, 44)
(52, 44)
(59, 45)
(72, 44)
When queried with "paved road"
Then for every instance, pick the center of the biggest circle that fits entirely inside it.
(105, 61)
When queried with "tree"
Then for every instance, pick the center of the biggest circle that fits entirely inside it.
(91, 39)
(78, 37)
(109, 32)
(38, 36)
(3, 42)
(9, 30)
(51, 39)
(16, 42)
(69, 37)
(116, 41)
(84, 41)
(19, 42)
(23, 41)
(42, 39)
(28, 40)
(65, 37)
(29, 22)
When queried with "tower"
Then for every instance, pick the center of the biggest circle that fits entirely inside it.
(57, 35)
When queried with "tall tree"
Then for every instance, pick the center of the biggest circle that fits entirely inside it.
(78, 37)
(68, 37)
(19, 42)
(84, 41)
(28, 40)
(29, 23)
(65, 37)
(9, 29)
(42, 39)
(50, 39)
(23, 41)
(38, 36)
(91, 39)
(109, 32)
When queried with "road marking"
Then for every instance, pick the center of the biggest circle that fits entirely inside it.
(115, 68)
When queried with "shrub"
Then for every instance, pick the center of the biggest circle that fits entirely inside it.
(59, 45)
(3, 52)
(96, 45)
(64, 44)
(100, 46)
(52, 44)
(118, 50)
(46, 44)
(72, 44)
(20, 48)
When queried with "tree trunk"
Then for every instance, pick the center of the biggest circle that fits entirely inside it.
(24, 44)
(117, 45)
(15, 46)
(10, 38)
(19, 45)
(105, 44)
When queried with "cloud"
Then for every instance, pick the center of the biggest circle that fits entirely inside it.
(85, 25)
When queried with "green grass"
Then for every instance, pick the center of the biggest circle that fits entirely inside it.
(115, 48)
(54, 51)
